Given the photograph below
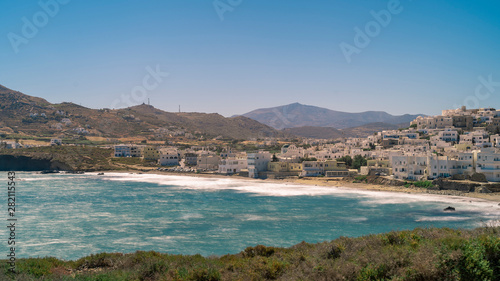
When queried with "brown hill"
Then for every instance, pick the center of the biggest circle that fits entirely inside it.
(20, 113)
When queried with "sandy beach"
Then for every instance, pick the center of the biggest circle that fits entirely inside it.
(333, 182)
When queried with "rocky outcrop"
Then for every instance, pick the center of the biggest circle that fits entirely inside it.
(455, 185)
(25, 163)
(384, 181)
(441, 186)
(478, 177)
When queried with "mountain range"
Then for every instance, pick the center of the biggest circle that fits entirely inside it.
(24, 114)
(299, 115)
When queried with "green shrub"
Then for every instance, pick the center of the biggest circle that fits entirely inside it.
(423, 184)
(361, 178)
(275, 269)
(97, 260)
(372, 272)
(334, 252)
(205, 274)
(38, 267)
(259, 250)
(474, 264)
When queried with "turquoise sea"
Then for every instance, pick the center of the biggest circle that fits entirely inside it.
(70, 216)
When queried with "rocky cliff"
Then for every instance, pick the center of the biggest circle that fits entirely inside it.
(25, 163)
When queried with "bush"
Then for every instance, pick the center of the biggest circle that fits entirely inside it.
(419, 254)
(259, 250)
(474, 264)
(423, 184)
(205, 274)
(361, 178)
(38, 267)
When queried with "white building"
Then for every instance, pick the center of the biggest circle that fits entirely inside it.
(488, 163)
(292, 151)
(233, 165)
(448, 135)
(257, 162)
(495, 140)
(208, 162)
(55, 142)
(122, 150)
(478, 138)
(412, 167)
(441, 166)
(10, 144)
(127, 150)
(168, 157)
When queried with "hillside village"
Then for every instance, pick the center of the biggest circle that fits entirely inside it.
(457, 144)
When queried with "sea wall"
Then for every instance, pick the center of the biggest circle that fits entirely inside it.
(25, 163)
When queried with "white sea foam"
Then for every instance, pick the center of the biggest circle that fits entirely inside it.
(166, 238)
(188, 216)
(357, 219)
(55, 241)
(261, 188)
(134, 241)
(447, 218)
(250, 217)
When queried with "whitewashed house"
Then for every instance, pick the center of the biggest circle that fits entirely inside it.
(55, 141)
(257, 162)
(448, 135)
(168, 157)
(122, 150)
(208, 161)
(412, 167)
(488, 163)
(232, 165)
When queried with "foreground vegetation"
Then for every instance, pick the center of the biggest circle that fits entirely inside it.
(420, 254)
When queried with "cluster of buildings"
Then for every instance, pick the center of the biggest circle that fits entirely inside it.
(458, 144)
(292, 161)
(199, 157)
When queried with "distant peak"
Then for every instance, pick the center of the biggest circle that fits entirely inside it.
(295, 104)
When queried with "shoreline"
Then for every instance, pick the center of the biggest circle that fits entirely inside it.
(329, 182)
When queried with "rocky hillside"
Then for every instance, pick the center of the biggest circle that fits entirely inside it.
(23, 114)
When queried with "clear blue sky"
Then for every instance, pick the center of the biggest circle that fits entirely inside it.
(261, 53)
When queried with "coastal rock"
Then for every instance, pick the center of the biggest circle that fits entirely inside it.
(478, 177)
(453, 185)
(449, 209)
(25, 163)
(482, 189)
